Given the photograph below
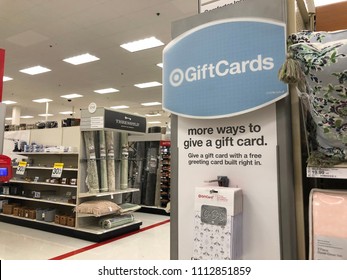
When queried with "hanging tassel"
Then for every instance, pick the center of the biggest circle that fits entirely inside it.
(291, 73)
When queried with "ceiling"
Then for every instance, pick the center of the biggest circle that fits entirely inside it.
(41, 32)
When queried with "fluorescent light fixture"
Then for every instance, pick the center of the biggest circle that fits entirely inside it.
(5, 79)
(151, 104)
(318, 3)
(148, 85)
(26, 117)
(66, 113)
(35, 70)
(46, 115)
(106, 90)
(42, 100)
(8, 119)
(153, 115)
(80, 59)
(120, 107)
(71, 96)
(154, 122)
(143, 44)
(9, 102)
(160, 65)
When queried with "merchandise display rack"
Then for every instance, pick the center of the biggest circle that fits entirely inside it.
(63, 198)
(165, 172)
(162, 194)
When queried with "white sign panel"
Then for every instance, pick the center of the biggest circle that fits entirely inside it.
(243, 148)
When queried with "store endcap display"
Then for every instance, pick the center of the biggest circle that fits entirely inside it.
(317, 64)
(328, 224)
(217, 221)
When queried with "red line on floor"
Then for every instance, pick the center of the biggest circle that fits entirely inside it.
(90, 247)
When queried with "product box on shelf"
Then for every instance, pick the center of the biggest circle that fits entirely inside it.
(16, 211)
(32, 214)
(217, 223)
(57, 219)
(21, 212)
(63, 220)
(70, 221)
(8, 208)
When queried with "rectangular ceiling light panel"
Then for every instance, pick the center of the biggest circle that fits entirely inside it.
(46, 115)
(106, 90)
(120, 107)
(80, 59)
(143, 44)
(71, 96)
(148, 85)
(151, 104)
(35, 70)
(5, 79)
(42, 100)
(9, 102)
(66, 113)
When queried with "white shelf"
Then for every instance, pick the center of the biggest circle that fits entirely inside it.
(336, 172)
(46, 168)
(42, 183)
(98, 230)
(129, 190)
(37, 200)
(36, 221)
(46, 153)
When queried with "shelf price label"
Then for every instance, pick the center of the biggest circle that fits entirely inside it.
(334, 172)
(57, 170)
(21, 168)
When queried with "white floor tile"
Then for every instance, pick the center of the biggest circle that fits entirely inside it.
(22, 243)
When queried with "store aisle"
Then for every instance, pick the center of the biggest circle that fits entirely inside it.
(151, 242)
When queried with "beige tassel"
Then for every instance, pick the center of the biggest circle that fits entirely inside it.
(291, 73)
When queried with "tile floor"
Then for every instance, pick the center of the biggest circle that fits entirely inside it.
(152, 242)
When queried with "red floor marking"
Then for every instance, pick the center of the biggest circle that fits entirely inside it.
(90, 247)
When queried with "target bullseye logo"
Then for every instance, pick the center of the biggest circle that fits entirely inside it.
(176, 77)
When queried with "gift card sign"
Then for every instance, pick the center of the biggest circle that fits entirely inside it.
(224, 68)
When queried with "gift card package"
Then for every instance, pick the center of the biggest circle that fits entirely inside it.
(217, 223)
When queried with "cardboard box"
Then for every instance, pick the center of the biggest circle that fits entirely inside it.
(2, 203)
(8, 208)
(32, 214)
(21, 212)
(70, 221)
(217, 223)
(63, 220)
(57, 219)
(16, 211)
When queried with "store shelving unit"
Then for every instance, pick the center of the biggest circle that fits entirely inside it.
(64, 198)
(140, 166)
(165, 172)
(98, 122)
